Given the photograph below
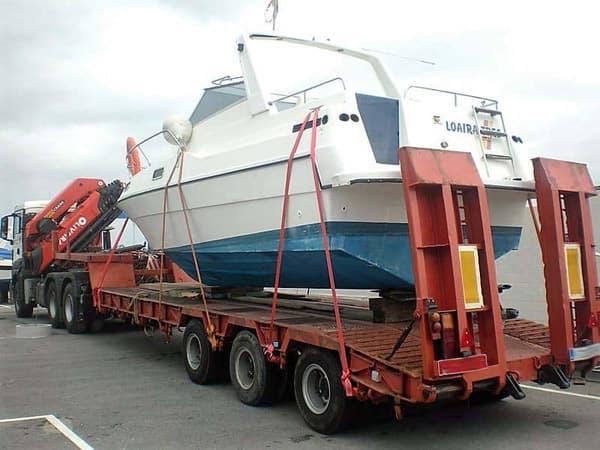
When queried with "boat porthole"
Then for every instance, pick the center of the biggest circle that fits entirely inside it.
(325, 119)
(344, 117)
(354, 117)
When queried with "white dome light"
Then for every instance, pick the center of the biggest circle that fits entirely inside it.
(177, 126)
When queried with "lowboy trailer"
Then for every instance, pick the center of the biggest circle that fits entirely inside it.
(448, 340)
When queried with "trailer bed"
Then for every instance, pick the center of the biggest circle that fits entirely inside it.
(527, 343)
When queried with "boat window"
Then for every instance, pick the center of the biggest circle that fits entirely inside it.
(381, 121)
(216, 99)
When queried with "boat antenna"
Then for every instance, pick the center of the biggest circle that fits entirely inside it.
(408, 58)
(271, 12)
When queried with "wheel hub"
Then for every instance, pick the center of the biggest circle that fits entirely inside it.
(316, 389)
(244, 369)
(194, 352)
(69, 308)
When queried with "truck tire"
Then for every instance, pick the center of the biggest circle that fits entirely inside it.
(54, 309)
(249, 371)
(73, 316)
(319, 393)
(22, 310)
(3, 295)
(198, 356)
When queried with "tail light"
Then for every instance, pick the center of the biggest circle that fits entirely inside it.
(435, 324)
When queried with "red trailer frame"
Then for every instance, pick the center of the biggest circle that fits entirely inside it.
(471, 350)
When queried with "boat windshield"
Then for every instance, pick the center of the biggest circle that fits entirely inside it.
(216, 99)
(284, 68)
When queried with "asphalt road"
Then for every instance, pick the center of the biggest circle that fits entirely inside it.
(121, 389)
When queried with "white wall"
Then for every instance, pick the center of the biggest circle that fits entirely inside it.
(523, 269)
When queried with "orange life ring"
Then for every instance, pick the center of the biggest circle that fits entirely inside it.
(133, 157)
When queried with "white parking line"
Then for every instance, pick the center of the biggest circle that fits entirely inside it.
(571, 394)
(60, 426)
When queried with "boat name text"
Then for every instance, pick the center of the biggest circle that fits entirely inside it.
(461, 127)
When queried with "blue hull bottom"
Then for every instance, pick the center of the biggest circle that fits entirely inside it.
(364, 256)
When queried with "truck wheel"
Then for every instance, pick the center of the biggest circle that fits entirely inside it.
(54, 312)
(249, 370)
(73, 317)
(319, 393)
(3, 295)
(22, 310)
(198, 355)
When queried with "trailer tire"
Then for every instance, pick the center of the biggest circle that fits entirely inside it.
(22, 310)
(96, 324)
(54, 309)
(319, 393)
(249, 371)
(198, 356)
(74, 319)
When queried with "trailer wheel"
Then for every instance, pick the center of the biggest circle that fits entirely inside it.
(198, 356)
(22, 310)
(319, 393)
(54, 310)
(73, 316)
(96, 324)
(249, 371)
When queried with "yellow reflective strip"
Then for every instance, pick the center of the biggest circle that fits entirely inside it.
(469, 271)
(574, 273)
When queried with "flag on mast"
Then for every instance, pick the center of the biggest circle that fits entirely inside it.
(271, 12)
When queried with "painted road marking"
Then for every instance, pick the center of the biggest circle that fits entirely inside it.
(60, 426)
(7, 306)
(571, 394)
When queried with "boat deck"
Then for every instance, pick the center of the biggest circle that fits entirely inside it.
(524, 339)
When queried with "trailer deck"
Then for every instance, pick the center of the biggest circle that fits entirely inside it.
(526, 342)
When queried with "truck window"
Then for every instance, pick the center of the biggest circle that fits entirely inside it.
(17, 223)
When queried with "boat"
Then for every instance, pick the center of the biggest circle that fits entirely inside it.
(237, 142)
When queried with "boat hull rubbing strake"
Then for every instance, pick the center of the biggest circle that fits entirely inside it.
(364, 255)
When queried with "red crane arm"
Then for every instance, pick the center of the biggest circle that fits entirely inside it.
(49, 218)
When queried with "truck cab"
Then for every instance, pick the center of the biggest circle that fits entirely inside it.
(12, 227)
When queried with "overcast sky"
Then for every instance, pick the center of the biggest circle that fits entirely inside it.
(78, 77)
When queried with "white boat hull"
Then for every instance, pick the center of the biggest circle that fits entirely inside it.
(235, 222)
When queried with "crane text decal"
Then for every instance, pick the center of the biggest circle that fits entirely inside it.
(73, 229)
(50, 213)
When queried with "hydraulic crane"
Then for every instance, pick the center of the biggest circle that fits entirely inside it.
(71, 221)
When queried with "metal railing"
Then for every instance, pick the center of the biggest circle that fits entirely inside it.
(139, 144)
(485, 102)
(302, 93)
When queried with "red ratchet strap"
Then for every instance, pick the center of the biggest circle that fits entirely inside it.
(96, 298)
(345, 378)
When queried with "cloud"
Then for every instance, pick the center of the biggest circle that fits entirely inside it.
(79, 77)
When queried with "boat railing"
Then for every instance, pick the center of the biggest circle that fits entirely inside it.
(301, 94)
(484, 102)
(149, 138)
